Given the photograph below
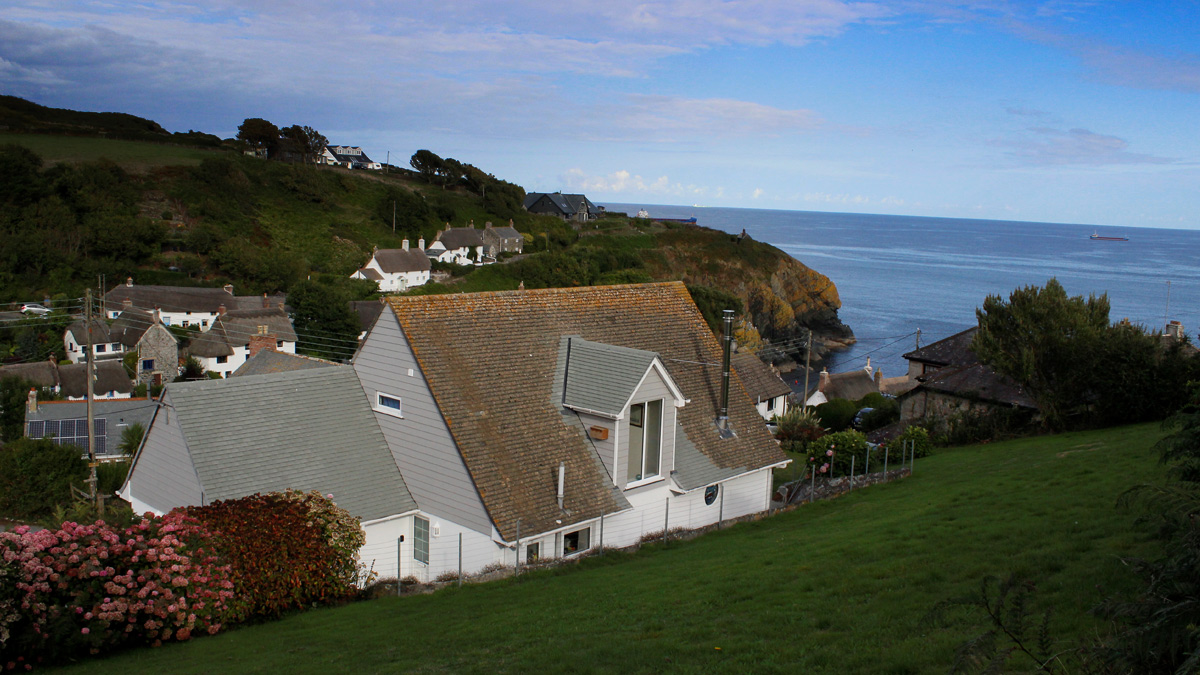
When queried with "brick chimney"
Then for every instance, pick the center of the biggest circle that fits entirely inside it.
(126, 304)
(404, 245)
(31, 405)
(260, 343)
(878, 378)
(221, 310)
(129, 282)
(1174, 330)
(266, 302)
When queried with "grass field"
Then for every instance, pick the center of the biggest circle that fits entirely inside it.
(134, 156)
(837, 587)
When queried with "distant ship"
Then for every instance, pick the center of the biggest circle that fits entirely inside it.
(1096, 237)
(643, 213)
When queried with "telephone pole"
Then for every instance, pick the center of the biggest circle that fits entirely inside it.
(93, 493)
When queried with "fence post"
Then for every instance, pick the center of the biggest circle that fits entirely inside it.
(517, 551)
(721, 507)
(666, 518)
(886, 452)
(812, 489)
(460, 558)
(867, 473)
(852, 458)
(601, 551)
(399, 557)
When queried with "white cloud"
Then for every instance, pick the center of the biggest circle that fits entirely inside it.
(627, 183)
(758, 192)
(1043, 146)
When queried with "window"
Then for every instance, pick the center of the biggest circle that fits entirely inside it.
(579, 540)
(184, 323)
(100, 349)
(204, 323)
(421, 540)
(645, 440)
(147, 364)
(222, 359)
(770, 404)
(388, 405)
(533, 552)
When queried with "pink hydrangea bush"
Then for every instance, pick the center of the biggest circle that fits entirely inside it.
(88, 588)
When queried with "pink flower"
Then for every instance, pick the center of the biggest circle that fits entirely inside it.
(85, 630)
(829, 453)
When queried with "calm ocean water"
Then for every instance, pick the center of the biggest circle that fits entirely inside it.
(897, 274)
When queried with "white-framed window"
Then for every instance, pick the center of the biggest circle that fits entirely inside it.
(577, 541)
(388, 404)
(421, 540)
(222, 359)
(645, 441)
(100, 349)
(770, 404)
(533, 552)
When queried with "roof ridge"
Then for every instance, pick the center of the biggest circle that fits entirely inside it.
(534, 291)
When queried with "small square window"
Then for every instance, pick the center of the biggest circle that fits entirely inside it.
(100, 349)
(147, 364)
(577, 541)
(222, 359)
(389, 405)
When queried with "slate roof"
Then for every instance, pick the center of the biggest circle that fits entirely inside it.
(100, 332)
(977, 382)
(120, 411)
(460, 237)
(509, 430)
(397, 260)
(306, 430)
(952, 351)
(567, 204)
(130, 325)
(507, 232)
(368, 312)
(760, 380)
(235, 328)
(271, 361)
(601, 378)
(110, 376)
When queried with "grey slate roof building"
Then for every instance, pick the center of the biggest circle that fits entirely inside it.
(66, 421)
(269, 361)
(303, 430)
(951, 377)
(601, 378)
(566, 206)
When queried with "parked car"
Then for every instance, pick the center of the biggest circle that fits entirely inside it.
(860, 416)
(34, 308)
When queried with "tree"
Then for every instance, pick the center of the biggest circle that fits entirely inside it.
(1041, 338)
(259, 133)
(427, 164)
(325, 324)
(131, 438)
(307, 141)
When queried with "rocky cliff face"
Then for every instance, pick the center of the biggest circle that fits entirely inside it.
(784, 298)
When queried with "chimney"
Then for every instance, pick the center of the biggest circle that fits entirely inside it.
(878, 378)
(421, 244)
(824, 380)
(266, 302)
(157, 315)
(31, 406)
(128, 282)
(221, 310)
(260, 343)
(727, 338)
(868, 366)
(487, 225)
(472, 223)
(404, 245)
(1175, 330)
(447, 227)
(229, 288)
(521, 286)
(127, 303)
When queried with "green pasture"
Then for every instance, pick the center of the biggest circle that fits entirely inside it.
(134, 156)
(842, 586)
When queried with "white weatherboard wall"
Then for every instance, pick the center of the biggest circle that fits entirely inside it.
(388, 556)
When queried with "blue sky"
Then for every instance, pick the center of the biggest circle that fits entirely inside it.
(1057, 111)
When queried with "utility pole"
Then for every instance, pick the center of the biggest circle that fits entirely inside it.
(807, 370)
(918, 338)
(93, 493)
(388, 162)
(1167, 318)
(393, 216)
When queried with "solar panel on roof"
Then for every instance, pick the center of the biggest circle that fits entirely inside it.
(37, 429)
(52, 428)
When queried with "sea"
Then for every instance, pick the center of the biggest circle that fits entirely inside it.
(897, 275)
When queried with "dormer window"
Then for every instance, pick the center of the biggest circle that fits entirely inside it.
(645, 440)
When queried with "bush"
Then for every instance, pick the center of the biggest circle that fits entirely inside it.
(286, 551)
(886, 411)
(837, 414)
(834, 452)
(89, 588)
(917, 440)
(36, 475)
(797, 428)
(978, 426)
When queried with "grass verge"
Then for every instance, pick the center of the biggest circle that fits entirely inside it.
(836, 587)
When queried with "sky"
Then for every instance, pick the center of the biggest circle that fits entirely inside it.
(1059, 111)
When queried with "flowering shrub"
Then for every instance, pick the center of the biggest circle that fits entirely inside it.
(843, 445)
(286, 551)
(91, 587)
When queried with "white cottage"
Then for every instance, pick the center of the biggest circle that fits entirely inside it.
(550, 422)
(397, 269)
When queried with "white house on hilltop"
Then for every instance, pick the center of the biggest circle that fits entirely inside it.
(349, 157)
(397, 269)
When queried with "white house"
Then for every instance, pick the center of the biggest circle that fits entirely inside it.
(239, 334)
(549, 422)
(348, 156)
(397, 269)
(105, 344)
(182, 305)
(305, 430)
(458, 245)
(768, 391)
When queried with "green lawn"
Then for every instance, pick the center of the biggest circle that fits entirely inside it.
(135, 156)
(837, 587)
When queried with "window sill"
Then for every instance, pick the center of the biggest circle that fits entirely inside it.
(645, 481)
(389, 412)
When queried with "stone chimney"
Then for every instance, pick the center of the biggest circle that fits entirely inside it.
(261, 342)
(128, 282)
(157, 315)
(824, 384)
(487, 225)
(421, 244)
(31, 405)
(878, 378)
(868, 366)
(1174, 330)
(472, 223)
(266, 302)
(404, 245)
(127, 303)
(221, 310)
(229, 288)
(521, 286)
(447, 227)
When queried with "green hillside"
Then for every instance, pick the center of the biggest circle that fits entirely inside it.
(80, 209)
(843, 586)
